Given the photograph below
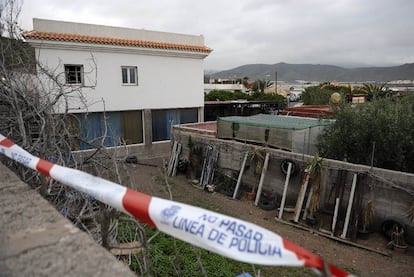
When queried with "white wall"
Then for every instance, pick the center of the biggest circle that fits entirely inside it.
(45, 25)
(163, 81)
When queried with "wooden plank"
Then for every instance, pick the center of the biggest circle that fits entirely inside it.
(308, 201)
(240, 175)
(335, 216)
(176, 159)
(348, 211)
(172, 157)
(207, 173)
(330, 236)
(127, 248)
(213, 163)
(262, 176)
(282, 204)
(204, 169)
(301, 197)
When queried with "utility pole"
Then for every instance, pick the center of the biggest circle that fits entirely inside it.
(275, 81)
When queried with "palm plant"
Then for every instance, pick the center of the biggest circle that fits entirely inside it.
(375, 91)
(315, 167)
(367, 216)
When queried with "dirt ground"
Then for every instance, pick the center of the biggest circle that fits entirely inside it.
(358, 261)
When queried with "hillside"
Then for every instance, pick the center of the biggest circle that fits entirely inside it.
(317, 72)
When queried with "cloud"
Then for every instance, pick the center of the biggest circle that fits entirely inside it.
(341, 32)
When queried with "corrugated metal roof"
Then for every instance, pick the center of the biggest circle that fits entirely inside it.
(278, 121)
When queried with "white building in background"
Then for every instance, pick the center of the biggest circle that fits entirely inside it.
(144, 81)
(226, 87)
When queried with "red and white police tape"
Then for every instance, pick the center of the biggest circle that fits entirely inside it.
(224, 235)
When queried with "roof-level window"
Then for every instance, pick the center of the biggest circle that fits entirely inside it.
(74, 74)
(129, 75)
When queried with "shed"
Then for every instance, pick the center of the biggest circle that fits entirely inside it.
(296, 134)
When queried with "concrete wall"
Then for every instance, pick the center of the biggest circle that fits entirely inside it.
(167, 78)
(154, 150)
(35, 240)
(392, 192)
(163, 82)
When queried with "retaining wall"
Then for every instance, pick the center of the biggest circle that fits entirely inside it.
(392, 192)
(154, 150)
(36, 240)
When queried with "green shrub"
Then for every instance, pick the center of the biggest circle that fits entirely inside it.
(387, 122)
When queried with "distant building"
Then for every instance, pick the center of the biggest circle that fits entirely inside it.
(225, 87)
(142, 82)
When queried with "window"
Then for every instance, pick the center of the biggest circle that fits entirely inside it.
(162, 120)
(129, 75)
(119, 127)
(74, 74)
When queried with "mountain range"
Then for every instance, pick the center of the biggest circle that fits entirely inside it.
(318, 72)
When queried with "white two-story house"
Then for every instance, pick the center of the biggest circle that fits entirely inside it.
(141, 82)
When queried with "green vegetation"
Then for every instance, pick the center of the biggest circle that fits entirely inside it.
(177, 258)
(267, 97)
(168, 256)
(374, 91)
(320, 95)
(223, 95)
(385, 125)
(172, 257)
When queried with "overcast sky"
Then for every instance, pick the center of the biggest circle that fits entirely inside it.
(338, 32)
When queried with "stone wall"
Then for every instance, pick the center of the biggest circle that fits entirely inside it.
(35, 240)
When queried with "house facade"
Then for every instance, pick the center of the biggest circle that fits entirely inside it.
(226, 87)
(141, 82)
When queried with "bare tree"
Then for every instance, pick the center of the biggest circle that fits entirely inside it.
(31, 100)
(28, 104)
(36, 115)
